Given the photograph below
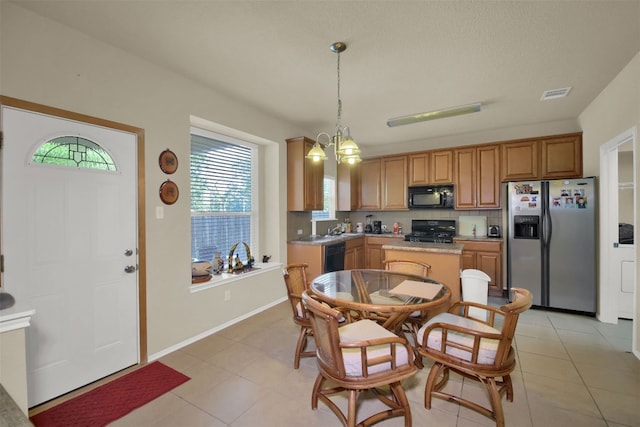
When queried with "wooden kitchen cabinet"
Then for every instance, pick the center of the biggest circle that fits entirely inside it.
(374, 255)
(383, 183)
(488, 177)
(312, 255)
(441, 167)
(394, 183)
(561, 156)
(520, 160)
(348, 187)
(419, 168)
(486, 256)
(354, 254)
(370, 186)
(304, 177)
(477, 177)
(465, 178)
(550, 157)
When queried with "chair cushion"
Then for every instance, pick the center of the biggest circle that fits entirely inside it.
(363, 330)
(488, 347)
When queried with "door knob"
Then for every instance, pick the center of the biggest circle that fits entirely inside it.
(128, 252)
(130, 269)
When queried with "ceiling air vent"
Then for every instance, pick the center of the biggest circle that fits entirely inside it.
(555, 93)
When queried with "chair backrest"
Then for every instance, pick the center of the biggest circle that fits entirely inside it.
(325, 322)
(295, 278)
(407, 266)
(521, 301)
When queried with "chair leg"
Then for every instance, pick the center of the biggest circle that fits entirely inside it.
(351, 410)
(316, 391)
(401, 398)
(508, 386)
(432, 385)
(495, 400)
(302, 344)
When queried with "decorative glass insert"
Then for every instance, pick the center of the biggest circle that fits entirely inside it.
(74, 151)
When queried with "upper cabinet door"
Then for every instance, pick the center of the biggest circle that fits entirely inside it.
(370, 193)
(488, 176)
(520, 160)
(394, 183)
(465, 178)
(441, 167)
(304, 177)
(562, 156)
(419, 169)
(348, 187)
(477, 177)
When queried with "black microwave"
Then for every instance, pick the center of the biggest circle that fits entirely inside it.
(431, 196)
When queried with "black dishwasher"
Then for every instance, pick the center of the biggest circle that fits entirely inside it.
(334, 256)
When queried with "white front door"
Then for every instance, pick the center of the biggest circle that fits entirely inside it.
(68, 233)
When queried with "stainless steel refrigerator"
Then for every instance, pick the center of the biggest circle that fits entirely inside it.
(551, 246)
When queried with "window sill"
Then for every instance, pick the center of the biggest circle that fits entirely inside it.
(226, 278)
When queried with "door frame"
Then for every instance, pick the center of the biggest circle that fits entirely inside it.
(608, 310)
(142, 252)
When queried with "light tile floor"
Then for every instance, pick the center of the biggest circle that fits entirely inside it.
(572, 371)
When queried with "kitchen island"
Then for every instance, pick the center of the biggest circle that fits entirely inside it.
(445, 260)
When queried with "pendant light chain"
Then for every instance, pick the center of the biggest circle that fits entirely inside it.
(338, 121)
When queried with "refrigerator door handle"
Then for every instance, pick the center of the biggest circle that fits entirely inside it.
(547, 227)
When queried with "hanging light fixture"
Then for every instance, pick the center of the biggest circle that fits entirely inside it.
(346, 149)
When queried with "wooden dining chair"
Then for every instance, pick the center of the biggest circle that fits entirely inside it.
(476, 349)
(356, 357)
(295, 278)
(415, 320)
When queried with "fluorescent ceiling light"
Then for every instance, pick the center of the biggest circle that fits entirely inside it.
(436, 114)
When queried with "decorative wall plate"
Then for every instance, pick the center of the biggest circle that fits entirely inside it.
(168, 162)
(169, 192)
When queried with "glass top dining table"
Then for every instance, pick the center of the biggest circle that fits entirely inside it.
(388, 297)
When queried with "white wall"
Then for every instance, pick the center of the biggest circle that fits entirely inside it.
(47, 63)
(613, 112)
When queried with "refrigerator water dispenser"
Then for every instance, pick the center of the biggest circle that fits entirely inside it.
(526, 226)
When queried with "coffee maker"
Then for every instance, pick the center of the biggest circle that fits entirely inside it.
(368, 228)
(377, 227)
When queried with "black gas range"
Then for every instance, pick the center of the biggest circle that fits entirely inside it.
(432, 231)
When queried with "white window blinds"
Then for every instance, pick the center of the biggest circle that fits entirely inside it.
(222, 211)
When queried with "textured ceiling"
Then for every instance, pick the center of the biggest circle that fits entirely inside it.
(403, 57)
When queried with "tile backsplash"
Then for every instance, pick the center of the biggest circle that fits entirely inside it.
(302, 220)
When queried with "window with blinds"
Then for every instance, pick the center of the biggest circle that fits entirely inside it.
(329, 211)
(222, 205)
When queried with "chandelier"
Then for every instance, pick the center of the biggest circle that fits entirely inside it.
(346, 149)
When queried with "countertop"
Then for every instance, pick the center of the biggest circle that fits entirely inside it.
(323, 240)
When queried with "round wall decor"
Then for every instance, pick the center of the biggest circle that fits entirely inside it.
(169, 192)
(168, 162)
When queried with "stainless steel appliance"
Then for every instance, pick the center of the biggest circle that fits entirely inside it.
(368, 228)
(424, 197)
(494, 231)
(551, 242)
(334, 257)
(432, 231)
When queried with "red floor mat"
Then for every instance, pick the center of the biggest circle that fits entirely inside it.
(113, 400)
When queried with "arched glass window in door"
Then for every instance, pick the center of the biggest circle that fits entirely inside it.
(75, 152)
